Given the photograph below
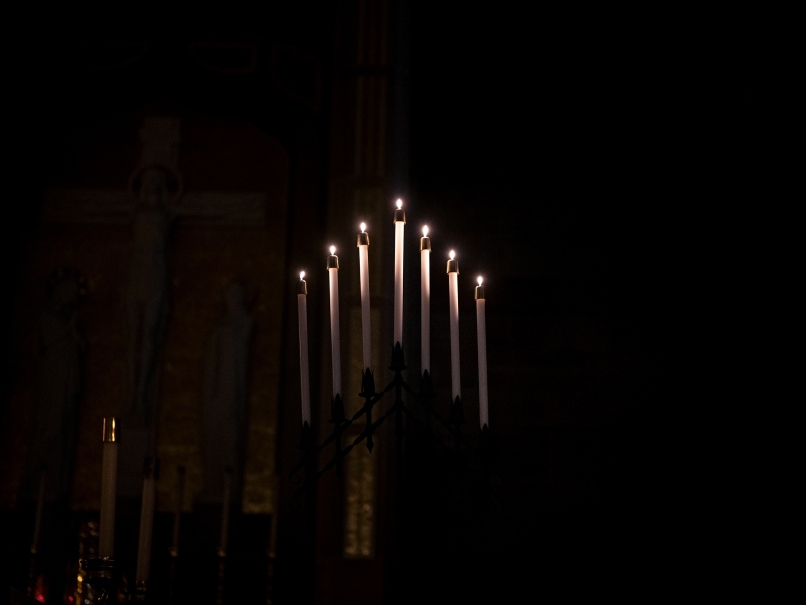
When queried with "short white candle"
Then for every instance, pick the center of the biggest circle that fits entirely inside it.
(222, 539)
(453, 302)
(304, 376)
(146, 521)
(363, 263)
(335, 341)
(109, 472)
(400, 223)
(425, 301)
(481, 329)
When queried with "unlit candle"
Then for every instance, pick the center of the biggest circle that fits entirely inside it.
(222, 540)
(109, 469)
(180, 497)
(40, 502)
(146, 520)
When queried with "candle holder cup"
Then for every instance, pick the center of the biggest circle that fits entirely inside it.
(102, 577)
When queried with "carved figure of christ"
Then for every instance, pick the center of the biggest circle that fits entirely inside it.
(145, 296)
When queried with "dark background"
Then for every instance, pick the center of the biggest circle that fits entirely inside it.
(606, 171)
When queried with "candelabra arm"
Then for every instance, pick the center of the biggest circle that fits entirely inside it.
(345, 451)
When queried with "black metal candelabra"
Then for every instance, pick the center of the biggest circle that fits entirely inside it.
(371, 397)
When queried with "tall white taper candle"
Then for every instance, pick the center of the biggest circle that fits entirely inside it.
(481, 330)
(425, 301)
(335, 340)
(109, 473)
(453, 302)
(400, 223)
(146, 520)
(304, 376)
(363, 263)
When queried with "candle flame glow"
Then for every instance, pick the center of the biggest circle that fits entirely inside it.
(425, 231)
(452, 254)
(480, 280)
(332, 250)
(363, 227)
(399, 204)
(302, 274)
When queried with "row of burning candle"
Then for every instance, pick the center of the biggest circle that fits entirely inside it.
(425, 317)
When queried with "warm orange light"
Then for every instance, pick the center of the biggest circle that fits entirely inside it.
(452, 254)
(480, 280)
(399, 204)
(363, 227)
(332, 249)
(302, 274)
(425, 231)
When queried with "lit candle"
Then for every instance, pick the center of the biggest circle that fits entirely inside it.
(304, 377)
(146, 520)
(481, 329)
(400, 222)
(109, 470)
(425, 301)
(335, 342)
(363, 262)
(453, 302)
(222, 540)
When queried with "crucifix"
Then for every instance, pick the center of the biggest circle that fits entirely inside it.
(154, 200)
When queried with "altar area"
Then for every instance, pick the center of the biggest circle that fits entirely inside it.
(173, 192)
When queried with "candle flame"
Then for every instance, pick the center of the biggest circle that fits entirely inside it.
(399, 204)
(302, 275)
(452, 254)
(480, 280)
(425, 231)
(332, 250)
(363, 227)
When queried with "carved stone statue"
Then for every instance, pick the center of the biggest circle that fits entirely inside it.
(146, 294)
(61, 346)
(225, 396)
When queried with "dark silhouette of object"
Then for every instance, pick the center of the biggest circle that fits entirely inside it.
(225, 397)
(61, 345)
